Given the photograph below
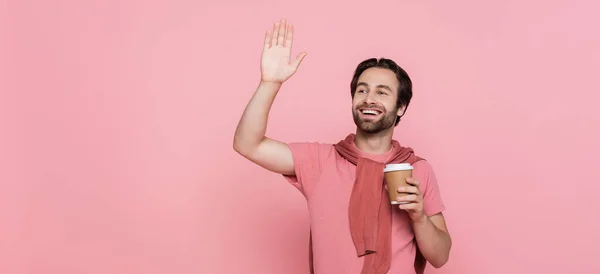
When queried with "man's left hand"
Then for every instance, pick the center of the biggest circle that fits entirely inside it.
(413, 196)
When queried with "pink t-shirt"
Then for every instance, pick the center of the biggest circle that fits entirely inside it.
(326, 180)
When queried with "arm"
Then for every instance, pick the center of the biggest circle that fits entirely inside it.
(424, 209)
(250, 140)
(433, 239)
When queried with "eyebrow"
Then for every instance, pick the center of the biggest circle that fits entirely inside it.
(379, 86)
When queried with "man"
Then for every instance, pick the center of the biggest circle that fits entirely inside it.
(354, 229)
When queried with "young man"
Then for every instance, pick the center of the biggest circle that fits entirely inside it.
(354, 226)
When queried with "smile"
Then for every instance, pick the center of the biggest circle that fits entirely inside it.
(370, 112)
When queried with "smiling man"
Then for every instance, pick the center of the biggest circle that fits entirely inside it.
(354, 226)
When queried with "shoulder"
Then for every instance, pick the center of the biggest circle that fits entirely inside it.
(424, 172)
(423, 166)
(308, 160)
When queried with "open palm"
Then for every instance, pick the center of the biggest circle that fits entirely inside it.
(276, 64)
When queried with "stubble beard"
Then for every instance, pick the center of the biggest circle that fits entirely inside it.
(387, 121)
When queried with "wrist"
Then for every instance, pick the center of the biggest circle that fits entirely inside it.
(424, 219)
(270, 83)
(268, 88)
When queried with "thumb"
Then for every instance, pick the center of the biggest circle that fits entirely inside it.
(299, 59)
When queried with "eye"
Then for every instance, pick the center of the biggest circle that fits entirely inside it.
(381, 92)
(361, 91)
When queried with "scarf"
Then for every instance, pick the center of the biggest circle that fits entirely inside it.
(370, 210)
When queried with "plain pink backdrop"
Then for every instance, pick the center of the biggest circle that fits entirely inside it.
(117, 121)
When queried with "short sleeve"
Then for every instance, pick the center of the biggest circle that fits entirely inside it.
(308, 160)
(432, 198)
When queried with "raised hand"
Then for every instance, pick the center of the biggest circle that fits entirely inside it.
(276, 64)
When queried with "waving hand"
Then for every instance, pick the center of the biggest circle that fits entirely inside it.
(276, 63)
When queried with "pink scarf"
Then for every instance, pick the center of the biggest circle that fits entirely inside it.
(370, 209)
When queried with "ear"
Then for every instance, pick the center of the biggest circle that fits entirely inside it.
(400, 111)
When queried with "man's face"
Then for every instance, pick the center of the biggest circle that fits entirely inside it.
(374, 103)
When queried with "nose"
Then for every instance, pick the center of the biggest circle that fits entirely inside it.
(369, 98)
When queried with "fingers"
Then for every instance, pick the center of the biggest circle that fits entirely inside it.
(289, 38)
(410, 206)
(409, 189)
(268, 39)
(281, 34)
(412, 181)
(274, 34)
(408, 198)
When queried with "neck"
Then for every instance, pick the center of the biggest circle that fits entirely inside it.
(374, 143)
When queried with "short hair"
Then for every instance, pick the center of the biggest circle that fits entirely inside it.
(404, 82)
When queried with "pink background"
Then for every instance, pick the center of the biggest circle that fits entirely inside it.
(117, 122)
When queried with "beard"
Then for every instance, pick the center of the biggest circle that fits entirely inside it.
(371, 126)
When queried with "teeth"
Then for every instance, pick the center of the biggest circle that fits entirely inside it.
(368, 111)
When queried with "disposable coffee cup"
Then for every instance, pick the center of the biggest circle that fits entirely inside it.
(395, 176)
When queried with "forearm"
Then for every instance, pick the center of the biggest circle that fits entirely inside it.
(252, 126)
(433, 242)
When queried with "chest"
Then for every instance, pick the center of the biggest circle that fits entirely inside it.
(330, 199)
